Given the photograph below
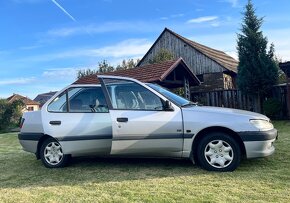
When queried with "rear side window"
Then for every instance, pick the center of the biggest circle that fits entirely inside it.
(80, 100)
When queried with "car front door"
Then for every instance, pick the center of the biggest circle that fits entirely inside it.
(141, 125)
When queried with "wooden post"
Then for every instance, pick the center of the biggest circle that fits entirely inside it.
(186, 88)
(288, 96)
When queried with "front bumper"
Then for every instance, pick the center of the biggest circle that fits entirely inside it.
(260, 143)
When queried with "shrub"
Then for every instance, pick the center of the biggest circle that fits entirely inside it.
(272, 107)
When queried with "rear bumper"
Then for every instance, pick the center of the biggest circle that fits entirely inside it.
(29, 141)
(260, 143)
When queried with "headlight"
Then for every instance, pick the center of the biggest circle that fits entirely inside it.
(262, 125)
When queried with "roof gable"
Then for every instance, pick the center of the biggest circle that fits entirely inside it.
(25, 100)
(219, 57)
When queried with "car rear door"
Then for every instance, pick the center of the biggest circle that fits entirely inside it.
(79, 119)
(141, 125)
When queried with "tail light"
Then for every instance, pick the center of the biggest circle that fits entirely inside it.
(21, 122)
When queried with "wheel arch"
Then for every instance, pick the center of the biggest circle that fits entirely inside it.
(41, 140)
(208, 130)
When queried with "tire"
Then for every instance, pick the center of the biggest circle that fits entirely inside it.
(51, 154)
(218, 152)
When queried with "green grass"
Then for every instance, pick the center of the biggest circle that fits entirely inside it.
(25, 179)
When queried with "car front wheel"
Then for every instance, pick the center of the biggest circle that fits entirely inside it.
(218, 152)
(52, 155)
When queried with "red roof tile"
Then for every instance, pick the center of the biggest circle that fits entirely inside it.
(148, 73)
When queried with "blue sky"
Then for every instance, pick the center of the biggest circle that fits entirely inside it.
(45, 42)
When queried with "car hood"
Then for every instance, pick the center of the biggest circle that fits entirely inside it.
(226, 111)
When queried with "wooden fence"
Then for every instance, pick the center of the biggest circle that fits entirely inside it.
(235, 99)
(227, 98)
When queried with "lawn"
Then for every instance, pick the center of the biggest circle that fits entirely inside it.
(25, 179)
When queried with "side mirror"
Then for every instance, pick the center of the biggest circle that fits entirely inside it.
(168, 106)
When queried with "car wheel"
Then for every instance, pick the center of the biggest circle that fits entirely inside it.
(51, 154)
(218, 152)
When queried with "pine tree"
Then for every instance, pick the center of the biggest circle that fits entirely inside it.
(257, 69)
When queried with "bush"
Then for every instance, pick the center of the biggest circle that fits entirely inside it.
(10, 114)
(272, 107)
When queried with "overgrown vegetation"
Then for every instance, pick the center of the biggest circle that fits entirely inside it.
(25, 179)
(258, 68)
(272, 107)
(161, 56)
(10, 113)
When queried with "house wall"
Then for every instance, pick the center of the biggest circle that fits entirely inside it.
(35, 108)
(199, 63)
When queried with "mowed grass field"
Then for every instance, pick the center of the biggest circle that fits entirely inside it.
(25, 179)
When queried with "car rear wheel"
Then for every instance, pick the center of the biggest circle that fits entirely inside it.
(218, 152)
(52, 155)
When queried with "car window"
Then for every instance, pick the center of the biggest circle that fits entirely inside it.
(176, 99)
(80, 99)
(58, 104)
(129, 95)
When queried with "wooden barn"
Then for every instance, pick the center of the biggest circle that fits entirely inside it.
(215, 69)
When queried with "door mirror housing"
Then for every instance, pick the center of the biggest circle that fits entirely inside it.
(168, 106)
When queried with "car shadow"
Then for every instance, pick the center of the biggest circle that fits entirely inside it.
(30, 172)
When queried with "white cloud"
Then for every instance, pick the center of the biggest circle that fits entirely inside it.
(103, 28)
(16, 81)
(61, 73)
(279, 38)
(164, 18)
(215, 24)
(177, 15)
(127, 49)
(234, 3)
(131, 47)
(227, 42)
(203, 19)
(30, 47)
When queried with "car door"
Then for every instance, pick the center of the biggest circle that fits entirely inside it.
(79, 119)
(141, 125)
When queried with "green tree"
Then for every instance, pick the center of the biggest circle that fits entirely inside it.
(10, 113)
(127, 64)
(103, 67)
(162, 55)
(257, 69)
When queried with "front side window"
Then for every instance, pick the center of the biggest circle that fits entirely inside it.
(80, 99)
(125, 94)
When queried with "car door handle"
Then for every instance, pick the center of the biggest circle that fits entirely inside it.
(122, 119)
(55, 122)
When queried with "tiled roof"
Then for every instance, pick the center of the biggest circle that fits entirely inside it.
(44, 97)
(148, 73)
(25, 100)
(218, 56)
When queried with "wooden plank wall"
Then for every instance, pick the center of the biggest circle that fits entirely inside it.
(197, 62)
(227, 98)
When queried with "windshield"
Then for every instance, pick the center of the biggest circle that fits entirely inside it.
(178, 100)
